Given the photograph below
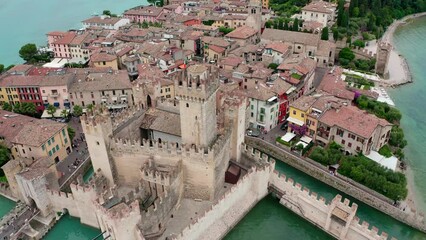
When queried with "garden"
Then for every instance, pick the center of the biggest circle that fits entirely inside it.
(363, 170)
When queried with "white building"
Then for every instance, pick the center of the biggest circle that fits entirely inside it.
(106, 22)
(264, 108)
(322, 12)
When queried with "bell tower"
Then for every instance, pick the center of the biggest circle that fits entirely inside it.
(254, 18)
(196, 89)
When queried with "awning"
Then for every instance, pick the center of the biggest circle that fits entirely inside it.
(295, 121)
(306, 139)
(56, 104)
(288, 136)
(57, 114)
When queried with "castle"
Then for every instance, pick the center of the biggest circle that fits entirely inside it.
(179, 170)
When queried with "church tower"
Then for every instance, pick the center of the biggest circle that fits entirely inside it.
(196, 89)
(254, 17)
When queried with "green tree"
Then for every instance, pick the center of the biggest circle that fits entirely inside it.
(77, 110)
(28, 109)
(71, 132)
(1, 68)
(9, 67)
(210, 22)
(90, 107)
(4, 158)
(324, 33)
(295, 26)
(64, 113)
(273, 66)
(225, 30)
(335, 34)
(7, 107)
(359, 43)
(268, 24)
(17, 108)
(286, 27)
(28, 52)
(346, 53)
(106, 12)
(51, 110)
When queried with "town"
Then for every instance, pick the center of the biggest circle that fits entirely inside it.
(182, 111)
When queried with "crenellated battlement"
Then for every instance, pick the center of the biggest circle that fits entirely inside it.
(119, 211)
(166, 104)
(122, 146)
(163, 175)
(256, 155)
(218, 206)
(197, 83)
(58, 194)
(125, 115)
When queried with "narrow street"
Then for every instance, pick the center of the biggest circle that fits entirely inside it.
(79, 154)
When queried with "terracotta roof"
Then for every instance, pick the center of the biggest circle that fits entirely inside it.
(20, 129)
(320, 6)
(102, 20)
(145, 11)
(278, 47)
(124, 51)
(312, 25)
(21, 68)
(291, 37)
(332, 83)
(243, 32)
(20, 80)
(261, 92)
(117, 80)
(162, 121)
(204, 27)
(191, 35)
(324, 48)
(354, 120)
(79, 38)
(66, 39)
(232, 61)
(57, 80)
(304, 103)
(215, 41)
(56, 33)
(37, 133)
(102, 56)
(217, 49)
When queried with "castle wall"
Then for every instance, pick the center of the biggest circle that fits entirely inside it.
(61, 201)
(317, 211)
(231, 207)
(341, 183)
(165, 137)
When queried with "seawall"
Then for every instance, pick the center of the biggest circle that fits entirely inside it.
(341, 183)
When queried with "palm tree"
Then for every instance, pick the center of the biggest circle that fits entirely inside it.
(51, 110)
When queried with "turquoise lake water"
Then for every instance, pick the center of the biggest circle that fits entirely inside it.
(28, 21)
(5, 205)
(70, 228)
(88, 175)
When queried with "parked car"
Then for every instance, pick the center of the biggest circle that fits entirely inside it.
(253, 133)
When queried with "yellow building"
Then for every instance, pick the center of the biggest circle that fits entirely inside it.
(104, 59)
(33, 138)
(231, 21)
(299, 111)
(167, 88)
(8, 94)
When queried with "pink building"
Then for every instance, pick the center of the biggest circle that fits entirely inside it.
(60, 44)
(145, 14)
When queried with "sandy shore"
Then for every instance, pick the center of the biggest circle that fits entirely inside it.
(399, 72)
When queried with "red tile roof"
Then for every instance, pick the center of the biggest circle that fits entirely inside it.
(354, 120)
(242, 32)
(217, 49)
(332, 83)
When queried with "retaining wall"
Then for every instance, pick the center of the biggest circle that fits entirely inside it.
(341, 183)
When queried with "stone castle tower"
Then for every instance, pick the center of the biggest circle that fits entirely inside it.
(382, 58)
(254, 18)
(196, 90)
(98, 131)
